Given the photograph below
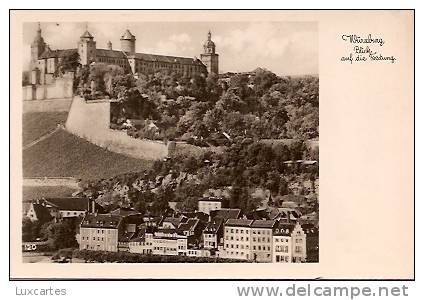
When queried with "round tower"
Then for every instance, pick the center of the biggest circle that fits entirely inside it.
(128, 42)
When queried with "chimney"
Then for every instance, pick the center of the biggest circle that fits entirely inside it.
(288, 216)
(109, 45)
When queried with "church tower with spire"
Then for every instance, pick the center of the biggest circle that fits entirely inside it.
(86, 48)
(38, 46)
(209, 58)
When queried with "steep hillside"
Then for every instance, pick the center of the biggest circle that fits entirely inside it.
(37, 124)
(63, 154)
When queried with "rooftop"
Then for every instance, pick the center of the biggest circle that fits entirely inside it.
(68, 203)
(239, 223)
(101, 221)
(226, 213)
(124, 211)
(264, 223)
(284, 229)
(213, 226)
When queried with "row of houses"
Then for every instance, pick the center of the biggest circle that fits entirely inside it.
(271, 235)
(223, 233)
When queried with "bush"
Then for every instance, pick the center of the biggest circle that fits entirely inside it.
(127, 257)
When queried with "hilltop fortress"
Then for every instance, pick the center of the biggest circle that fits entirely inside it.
(45, 61)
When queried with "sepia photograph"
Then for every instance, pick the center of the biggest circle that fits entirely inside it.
(186, 145)
(170, 142)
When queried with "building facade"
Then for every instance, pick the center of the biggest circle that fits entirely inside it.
(206, 205)
(261, 237)
(45, 62)
(289, 244)
(100, 232)
(237, 239)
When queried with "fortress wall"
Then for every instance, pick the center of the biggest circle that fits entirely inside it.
(91, 120)
(60, 88)
(47, 105)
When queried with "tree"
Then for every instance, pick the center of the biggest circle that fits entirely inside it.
(263, 80)
(61, 235)
(230, 101)
(161, 202)
(283, 187)
(28, 233)
(68, 63)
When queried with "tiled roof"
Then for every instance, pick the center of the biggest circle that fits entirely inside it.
(264, 223)
(86, 34)
(58, 53)
(127, 35)
(122, 55)
(197, 215)
(226, 213)
(124, 211)
(42, 213)
(213, 226)
(127, 236)
(175, 221)
(284, 229)
(239, 222)
(69, 203)
(168, 59)
(110, 53)
(101, 221)
(189, 225)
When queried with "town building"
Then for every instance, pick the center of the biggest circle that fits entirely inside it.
(289, 244)
(261, 240)
(237, 239)
(206, 205)
(108, 232)
(142, 244)
(212, 234)
(169, 242)
(46, 62)
(100, 232)
(61, 208)
(38, 213)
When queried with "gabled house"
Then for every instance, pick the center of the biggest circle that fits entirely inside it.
(213, 233)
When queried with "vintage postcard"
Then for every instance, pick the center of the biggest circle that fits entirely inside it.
(212, 144)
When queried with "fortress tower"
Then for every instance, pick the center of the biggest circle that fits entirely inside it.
(38, 46)
(87, 48)
(128, 42)
(209, 57)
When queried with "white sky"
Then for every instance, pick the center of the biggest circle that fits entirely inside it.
(286, 48)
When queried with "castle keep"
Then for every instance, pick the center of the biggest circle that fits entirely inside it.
(45, 62)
